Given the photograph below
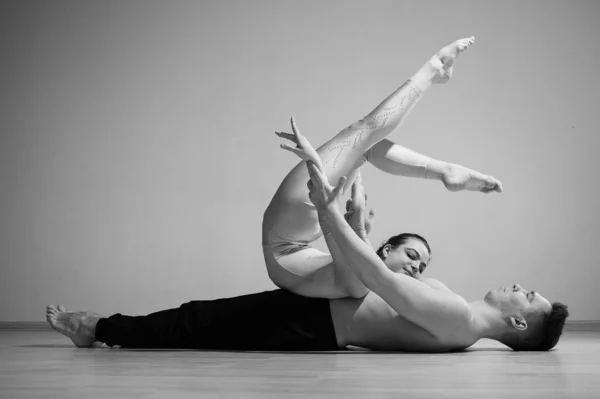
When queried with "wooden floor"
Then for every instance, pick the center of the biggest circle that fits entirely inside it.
(35, 364)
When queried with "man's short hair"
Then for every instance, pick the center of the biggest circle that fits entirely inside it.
(544, 336)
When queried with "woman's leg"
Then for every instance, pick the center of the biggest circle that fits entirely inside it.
(290, 221)
(401, 161)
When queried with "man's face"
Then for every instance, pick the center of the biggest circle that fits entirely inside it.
(516, 300)
(410, 258)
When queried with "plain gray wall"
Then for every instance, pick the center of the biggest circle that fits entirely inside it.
(137, 148)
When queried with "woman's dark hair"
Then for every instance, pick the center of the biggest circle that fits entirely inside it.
(400, 239)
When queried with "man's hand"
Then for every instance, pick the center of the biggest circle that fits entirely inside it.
(324, 197)
(323, 192)
(303, 148)
(356, 211)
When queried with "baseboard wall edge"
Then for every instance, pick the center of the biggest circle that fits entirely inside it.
(582, 325)
(24, 326)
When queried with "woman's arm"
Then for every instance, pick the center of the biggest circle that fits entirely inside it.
(356, 214)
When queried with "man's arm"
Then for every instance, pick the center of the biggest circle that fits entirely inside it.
(435, 310)
(344, 276)
(361, 225)
(435, 284)
(424, 306)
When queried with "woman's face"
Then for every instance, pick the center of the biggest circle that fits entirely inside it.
(410, 258)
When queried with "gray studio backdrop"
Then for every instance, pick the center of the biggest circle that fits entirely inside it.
(137, 152)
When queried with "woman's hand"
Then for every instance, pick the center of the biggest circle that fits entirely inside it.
(303, 148)
(356, 215)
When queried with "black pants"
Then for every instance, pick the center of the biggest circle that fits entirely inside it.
(271, 320)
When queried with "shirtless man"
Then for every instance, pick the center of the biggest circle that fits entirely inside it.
(290, 221)
(399, 313)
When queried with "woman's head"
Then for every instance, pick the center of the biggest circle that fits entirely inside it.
(406, 253)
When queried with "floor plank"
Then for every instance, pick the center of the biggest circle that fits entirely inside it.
(46, 364)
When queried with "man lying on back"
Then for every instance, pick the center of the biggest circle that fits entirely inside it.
(399, 313)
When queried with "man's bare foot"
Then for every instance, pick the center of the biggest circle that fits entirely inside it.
(457, 178)
(80, 327)
(441, 64)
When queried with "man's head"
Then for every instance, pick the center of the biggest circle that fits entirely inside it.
(406, 253)
(532, 322)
